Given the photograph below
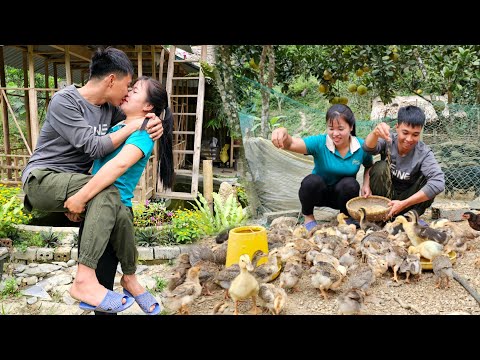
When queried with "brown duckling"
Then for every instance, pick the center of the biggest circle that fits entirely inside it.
(291, 274)
(364, 224)
(411, 266)
(325, 276)
(442, 268)
(179, 272)
(184, 294)
(351, 303)
(274, 298)
(395, 257)
(426, 232)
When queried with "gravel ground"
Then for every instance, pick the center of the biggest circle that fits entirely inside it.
(422, 295)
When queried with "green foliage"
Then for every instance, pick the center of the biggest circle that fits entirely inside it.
(226, 215)
(242, 196)
(147, 236)
(11, 210)
(272, 123)
(49, 238)
(185, 226)
(10, 288)
(302, 83)
(160, 284)
(152, 213)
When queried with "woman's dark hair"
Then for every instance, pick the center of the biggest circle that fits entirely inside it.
(341, 111)
(157, 96)
(110, 60)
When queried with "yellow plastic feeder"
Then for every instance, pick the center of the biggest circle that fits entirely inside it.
(246, 240)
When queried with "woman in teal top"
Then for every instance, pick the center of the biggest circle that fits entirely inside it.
(123, 168)
(337, 156)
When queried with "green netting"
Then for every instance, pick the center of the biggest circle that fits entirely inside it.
(453, 134)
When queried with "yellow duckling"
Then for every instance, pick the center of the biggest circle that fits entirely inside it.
(244, 285)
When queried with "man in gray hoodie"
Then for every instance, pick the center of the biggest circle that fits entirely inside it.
(413, 176)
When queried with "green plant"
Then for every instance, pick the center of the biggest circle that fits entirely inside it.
(242, 196)
(146, 237)
(49, 238)
(271, 124)
(160, 284)
(185, 226)
(152, 213)
(10, 288)
(226, 215)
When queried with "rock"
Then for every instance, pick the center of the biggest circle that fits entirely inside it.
(41, 269)
(19, 268)
(67, 299)
(32, 300)
(63, 264)
(60, 279)
(31, 280)
(32, 265)
(36, 291)
(71, 262)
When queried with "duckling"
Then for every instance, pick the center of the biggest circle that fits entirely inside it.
(325, 276)
(364, 224)
(427, 249)
(291, 275)
(287, 251)
(300, 232)
(442, 268)
(244, 285)
(220, 253)
(208, 271)
(310, 256)
(223, 235)
(347, 257)
(342, 226)
(395, 257)
(351, 303)
(179, 272)
(426, 232)
(266, 272)
(375, 243)
(225, 276)
(200, 252)
(411, 266)
(184, 294)
(414, 238)
(274, 298)
(473, 220)
(365, 275)
(323, 257)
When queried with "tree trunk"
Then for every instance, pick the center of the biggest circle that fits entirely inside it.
(226, 88)
(267, 85)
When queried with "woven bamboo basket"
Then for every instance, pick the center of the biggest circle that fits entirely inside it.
(376, 206)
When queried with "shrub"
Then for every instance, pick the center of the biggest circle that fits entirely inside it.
(185, 226)
(152, 213)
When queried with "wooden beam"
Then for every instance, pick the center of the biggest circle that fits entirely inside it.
(55, 76)
(3, 110)
(32, 93)
(208, 183)
(198, 125)
(68, 69)
(139, 61)
(75, 50)
(26, 97)
(160, 71)
(16, 122)
(154, 69)
(170, 70)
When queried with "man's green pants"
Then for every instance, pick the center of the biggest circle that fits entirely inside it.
(380, 185)
(106, 218)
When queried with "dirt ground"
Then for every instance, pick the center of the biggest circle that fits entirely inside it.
(419, 297)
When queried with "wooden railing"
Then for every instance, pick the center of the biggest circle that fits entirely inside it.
(11, 166)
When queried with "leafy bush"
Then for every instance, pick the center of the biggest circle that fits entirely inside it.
(152, 213)
(9, 194)
(242, 196)
(186, 226)
(10, 288)
(226, 215)
(160, 284)
(147, 237)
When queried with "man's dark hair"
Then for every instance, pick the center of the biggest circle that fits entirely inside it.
(411, 115)
(110, 60)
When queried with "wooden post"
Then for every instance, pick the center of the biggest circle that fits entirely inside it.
(26, 99)
(198, 125)
(139, 60)
(47, 93)
(3, 110)
(68, 69)
(208, 183)
(55, 76)
(160, 70)
(32, 94)
(154, 68)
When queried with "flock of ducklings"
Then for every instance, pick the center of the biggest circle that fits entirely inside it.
(330, 254)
